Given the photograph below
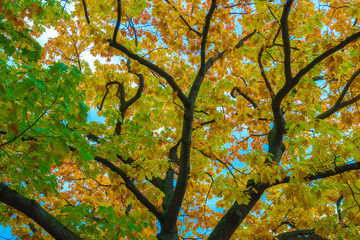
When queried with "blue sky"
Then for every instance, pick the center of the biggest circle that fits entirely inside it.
(5, 233)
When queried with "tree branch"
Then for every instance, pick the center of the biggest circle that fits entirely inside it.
(206, 32)
(201, 74)
(338, 203)
(339, 104)
(287, 88)
(308, 234)
(86, 12)
(321, 175)
(183, 19)
(236, 89)
(267, 83)
(169, 79)
(236, 214)
(286, 40)
(169, 225)
(28, 128)
(34, 211)
(157, 182)
(118, 20)
(242, 41)
(324, 55)
(130, 185)
(204, 65)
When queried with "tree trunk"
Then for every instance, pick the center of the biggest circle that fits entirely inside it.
(168, 235)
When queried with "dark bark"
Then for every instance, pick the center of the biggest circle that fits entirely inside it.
(324, 174)
(152, 67)
(34, 211)
(131, 186)
(339, 103)
(236, 214)
(171, 234)
(286, 40)
(173, 210)
(308, 234)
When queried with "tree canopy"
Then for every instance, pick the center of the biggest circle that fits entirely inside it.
(221, 119)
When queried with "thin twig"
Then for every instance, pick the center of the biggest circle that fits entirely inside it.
(28, 128)
(262, 71)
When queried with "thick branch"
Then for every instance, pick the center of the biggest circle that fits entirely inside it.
(324, 55)
(288, 87)
(340, 106)
(116, 29)
(324, 174)
(236, 214)
(34, 211)
(204, 65)
(286, 40)
(169, 179)
(206, 32)
(169, 225)
(299, 234)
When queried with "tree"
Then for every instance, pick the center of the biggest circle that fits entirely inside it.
(222, 119)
